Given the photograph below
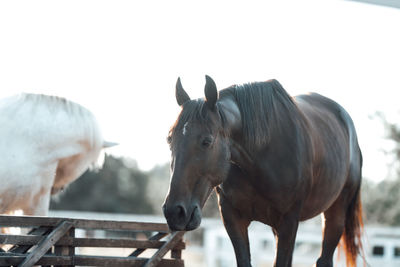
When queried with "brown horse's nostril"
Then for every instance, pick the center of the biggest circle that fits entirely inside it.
(180, 211)
(180, 218)
(176, 216)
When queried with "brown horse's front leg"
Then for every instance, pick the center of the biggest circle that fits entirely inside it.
(286, 237)
(236, 226)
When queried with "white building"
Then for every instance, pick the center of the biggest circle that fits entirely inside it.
(381, 246)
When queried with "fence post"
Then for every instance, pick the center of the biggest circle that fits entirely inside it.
(177, 253)
(67, 250)
(157, 257)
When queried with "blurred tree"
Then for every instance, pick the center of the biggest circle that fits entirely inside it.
(118, 187)
(382, 201)
(211, 208)
(121, 187)
(159, 179)
(158, 186)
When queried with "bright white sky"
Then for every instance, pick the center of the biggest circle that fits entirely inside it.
(121, 60)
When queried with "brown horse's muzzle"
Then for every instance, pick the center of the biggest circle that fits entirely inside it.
(182, 218)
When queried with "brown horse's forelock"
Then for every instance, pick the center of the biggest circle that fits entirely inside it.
(194, 110)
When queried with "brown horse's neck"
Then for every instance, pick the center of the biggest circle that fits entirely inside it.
(230, 114)
(240, 156)
(233, 128)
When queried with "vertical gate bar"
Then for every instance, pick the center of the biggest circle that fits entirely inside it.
(66, 250)
(71, 249)
(176, 254)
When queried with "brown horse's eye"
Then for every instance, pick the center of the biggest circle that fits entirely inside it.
(207, 142)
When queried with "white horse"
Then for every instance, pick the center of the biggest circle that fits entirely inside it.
(46, 142)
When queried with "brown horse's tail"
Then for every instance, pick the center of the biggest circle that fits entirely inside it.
(351, 238)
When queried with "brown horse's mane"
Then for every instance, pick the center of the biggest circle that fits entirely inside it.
(262, 105)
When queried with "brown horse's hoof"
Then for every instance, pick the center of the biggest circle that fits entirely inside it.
(324, 263)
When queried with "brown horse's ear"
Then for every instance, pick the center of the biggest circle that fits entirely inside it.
(180, 93)
(210, 92)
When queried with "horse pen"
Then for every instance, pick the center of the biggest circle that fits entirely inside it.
(53, 241)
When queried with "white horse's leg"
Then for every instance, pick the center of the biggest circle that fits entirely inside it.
(40, 205)
(40, 200)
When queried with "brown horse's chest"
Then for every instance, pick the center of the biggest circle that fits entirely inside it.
(250, 203)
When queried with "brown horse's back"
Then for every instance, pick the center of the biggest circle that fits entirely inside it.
(335, 152)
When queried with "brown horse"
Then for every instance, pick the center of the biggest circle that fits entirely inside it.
(271, 158)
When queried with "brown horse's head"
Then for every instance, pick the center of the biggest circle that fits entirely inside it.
(200, 157)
